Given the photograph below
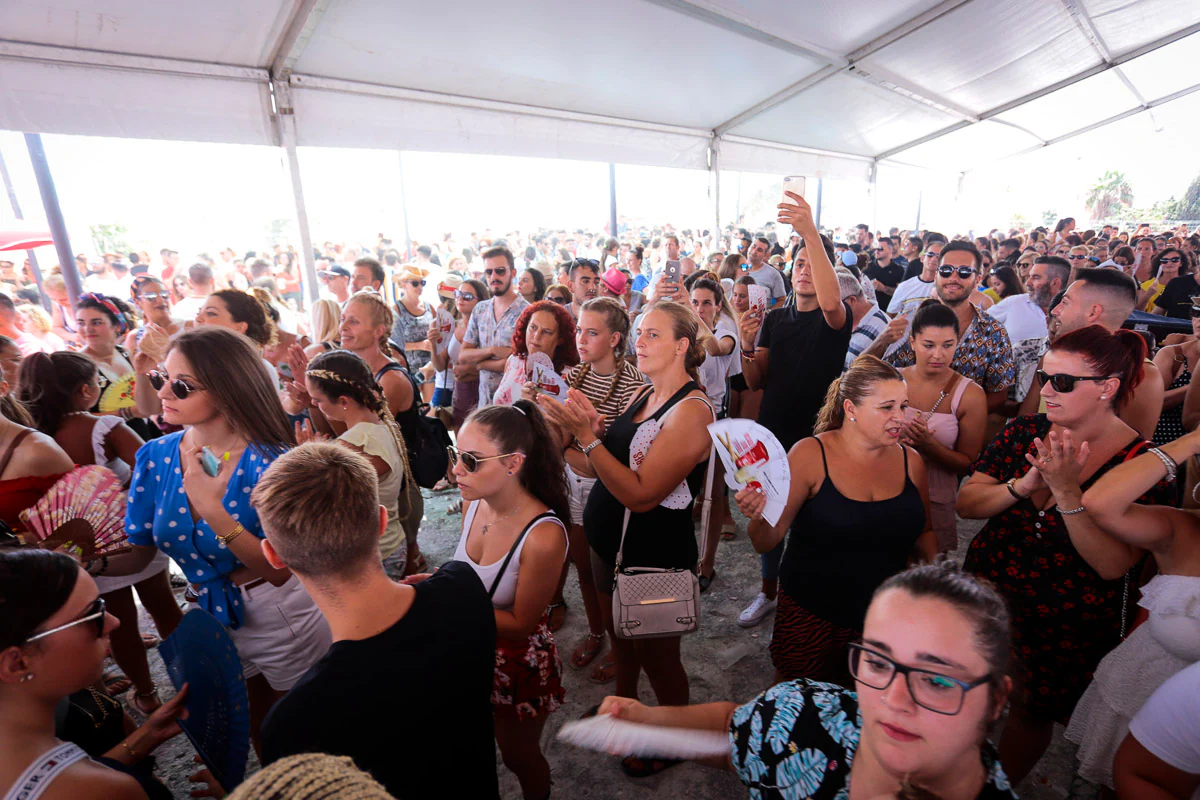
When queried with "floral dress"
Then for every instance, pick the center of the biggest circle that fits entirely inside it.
(1065, 617)
(798, 740)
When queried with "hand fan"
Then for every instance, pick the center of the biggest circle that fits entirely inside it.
(84, 511)
(118, 394)
(201, 654)
(639, 446)
(619, 737)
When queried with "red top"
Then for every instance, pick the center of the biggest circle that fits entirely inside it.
(18, 494)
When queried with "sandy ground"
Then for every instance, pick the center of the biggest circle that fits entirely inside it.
(725, 662)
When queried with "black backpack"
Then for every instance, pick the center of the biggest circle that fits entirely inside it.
(427, 454)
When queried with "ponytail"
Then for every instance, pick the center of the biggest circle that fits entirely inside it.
(1121, 354)
(522, 428)
(47, 383)
(854, 385)
(832, 413)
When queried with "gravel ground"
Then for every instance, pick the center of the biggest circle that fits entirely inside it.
(725, 662)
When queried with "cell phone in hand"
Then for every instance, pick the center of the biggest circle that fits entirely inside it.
(794, 184)
(671, 272)
(209, 462)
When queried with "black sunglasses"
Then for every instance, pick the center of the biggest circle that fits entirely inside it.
(963, 272)
(498, 271)
(587, 262)
(558, 298)
(466, 296)
(417, 283)
(94, 613)
(1065, 383)
(1171, 260)
(179, 387)
(470, 460)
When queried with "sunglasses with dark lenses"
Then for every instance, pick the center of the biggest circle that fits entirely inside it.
(470, 460)
(466, 296)
(417, 283)
(153, 296)
(1077, 257)
(179, 387)
(94, 613)
(499, 272)
(932, 691)
(1065, 383)
(963, 272)
(558, 298)
(1171, 260)
(1195, 312)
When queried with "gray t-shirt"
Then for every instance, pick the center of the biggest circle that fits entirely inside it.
(771, 279)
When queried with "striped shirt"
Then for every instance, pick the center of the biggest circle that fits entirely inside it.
(596, 388)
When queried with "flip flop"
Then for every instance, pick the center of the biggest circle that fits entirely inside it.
(706, 581)
(590, 647)
(605, 671)
(728, 532)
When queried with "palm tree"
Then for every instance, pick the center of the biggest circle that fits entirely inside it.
(1111, 193)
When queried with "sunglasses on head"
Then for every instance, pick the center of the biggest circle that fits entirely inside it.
(1066, 383)
(461, 295)
(179, 387)
(963, 272)
(94, 613)
(470, 460)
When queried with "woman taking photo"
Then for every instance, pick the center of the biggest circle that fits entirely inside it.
(673, 467)
(946, 415)
(151, 298)
(510, 472)
(743, 401)
(531, 285)
(441, 329)
(411, 330)
(213, 385)
(54, 634)
(545, 328)
(607, 380)
(856, 513)
(1028, 484)
(344, 390)
(58, 390)
(929, 681)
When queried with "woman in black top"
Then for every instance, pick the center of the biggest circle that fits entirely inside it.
(857, 507)
(668, 352)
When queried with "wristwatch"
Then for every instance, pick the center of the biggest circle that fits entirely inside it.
(233, 534)
(589, 448)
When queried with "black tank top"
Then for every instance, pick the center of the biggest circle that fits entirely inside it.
(839, 550)
(661, 537)
(406, 420)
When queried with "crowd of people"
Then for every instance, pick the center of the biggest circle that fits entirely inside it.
(277, 459)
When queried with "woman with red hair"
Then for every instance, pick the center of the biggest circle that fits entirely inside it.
(1069, 585)
(544, 327)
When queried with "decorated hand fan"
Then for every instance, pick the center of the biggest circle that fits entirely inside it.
(619, 737)
(118, 394)
(639, 446)
(84, 511)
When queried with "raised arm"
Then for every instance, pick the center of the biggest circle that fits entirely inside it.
(799, 215)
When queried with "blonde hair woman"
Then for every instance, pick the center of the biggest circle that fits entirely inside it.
(326, 317)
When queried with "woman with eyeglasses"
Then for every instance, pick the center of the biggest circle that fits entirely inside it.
(465, 377)
(190, 498)
(509, 468)
(545, 328)
(411, 330)
(1171, 291)
(930, 681)
(54, 634)
(1068, 583)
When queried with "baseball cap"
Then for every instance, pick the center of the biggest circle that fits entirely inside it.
(615, 280)
(336, 271)
(850, 258)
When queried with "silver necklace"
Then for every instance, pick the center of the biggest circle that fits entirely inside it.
(483, 531)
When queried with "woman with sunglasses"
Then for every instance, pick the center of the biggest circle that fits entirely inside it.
(1068, 582)
(1024, 265)
(54, 634)
(545, 328)
(1171, 291)
(464, 377)
(1123, 255)
(58, 390)
(1005, 283)
(413, 318)
(213, 384)
(929, 682)
(152, 300)
(559, 293)
(510, 470)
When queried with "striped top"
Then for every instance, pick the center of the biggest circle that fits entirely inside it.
(596, 387)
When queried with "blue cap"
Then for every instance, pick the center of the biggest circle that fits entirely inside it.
(850, 258)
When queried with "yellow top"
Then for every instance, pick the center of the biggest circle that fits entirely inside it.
(1158, 290)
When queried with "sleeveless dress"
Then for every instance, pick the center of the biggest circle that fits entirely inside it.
(943, 483)
(1166, 643)
(466, 393)
(1170, 422)
(527, 680)
(409, 329)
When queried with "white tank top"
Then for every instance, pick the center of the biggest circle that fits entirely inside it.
(42, 772)
(506, 591)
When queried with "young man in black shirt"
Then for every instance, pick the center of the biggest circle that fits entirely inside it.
(801, 351)
(392, 643)
(886, 273)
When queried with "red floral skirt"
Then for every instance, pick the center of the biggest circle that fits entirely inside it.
(528, 675)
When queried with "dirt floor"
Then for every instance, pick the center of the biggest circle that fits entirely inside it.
(725, 662)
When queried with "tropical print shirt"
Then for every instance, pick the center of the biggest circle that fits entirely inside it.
(984, 354)
(797, 740)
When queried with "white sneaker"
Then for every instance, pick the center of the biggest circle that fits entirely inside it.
(757, 609)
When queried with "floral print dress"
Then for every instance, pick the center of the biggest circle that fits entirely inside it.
(1065, 617)
(798, 740)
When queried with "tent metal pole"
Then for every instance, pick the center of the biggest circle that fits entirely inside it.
(408, 253)
(612, 199)
(820, 190)
(16, 207)
(874, 197)
(54, 217)
(714, 165)
(285, 121)
(920, 197)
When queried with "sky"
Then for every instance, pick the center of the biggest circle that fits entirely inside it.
(196, 197)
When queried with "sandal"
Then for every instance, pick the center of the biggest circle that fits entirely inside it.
(443, 486)
(134, 698)
(455, 507)
(115, 681)
(417, 566)
(177, 581)
(587, 650)
(728, 532)
(605, 671)
(706, 581)
(553, 610)
(638, 767)
(150, 641)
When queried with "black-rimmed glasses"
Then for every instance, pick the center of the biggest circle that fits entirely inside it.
(932, 691)
(179, 387)
(94, 613)
(1066, 383)
(470, 460)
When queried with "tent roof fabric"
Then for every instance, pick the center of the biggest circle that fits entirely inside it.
(826, 89)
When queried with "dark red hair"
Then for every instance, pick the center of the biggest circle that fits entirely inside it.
(566, 354)
(1121, 354)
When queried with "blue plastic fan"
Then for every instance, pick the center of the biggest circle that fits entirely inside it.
(201, 654)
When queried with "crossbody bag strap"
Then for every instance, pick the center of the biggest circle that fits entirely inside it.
(512, 550)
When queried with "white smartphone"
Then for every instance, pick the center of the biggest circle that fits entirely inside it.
(795, 185)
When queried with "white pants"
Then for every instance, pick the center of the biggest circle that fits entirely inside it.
(578, 489)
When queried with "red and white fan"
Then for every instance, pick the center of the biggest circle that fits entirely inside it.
(84, 513)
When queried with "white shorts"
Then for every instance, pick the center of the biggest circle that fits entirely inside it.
(578, 489)
(283, 633)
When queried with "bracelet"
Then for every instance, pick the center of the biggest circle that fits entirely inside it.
(103, 561)
(1167, 461)
(233, 534)
(747, 356)
(132, 753)
(1067, 512)
(1011, 485)
(588, 449)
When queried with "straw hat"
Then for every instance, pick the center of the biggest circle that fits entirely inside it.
(448, 284)
(410, 272)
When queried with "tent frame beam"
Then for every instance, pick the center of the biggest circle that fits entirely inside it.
(749, 28)
(306, 15)
(25, 51)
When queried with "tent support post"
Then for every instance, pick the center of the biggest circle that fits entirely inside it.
(54, 217)
(874, 196)
(612, 199)
(820, 190)
(16, 208)
(920, 197)
(408, 253)
(714, 166)
(285, 122)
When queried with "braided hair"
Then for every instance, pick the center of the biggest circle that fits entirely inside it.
(340, 373)
(617, 320)
(381, 314)
(311, 776)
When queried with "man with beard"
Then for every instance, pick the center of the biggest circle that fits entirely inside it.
(585, 283)
(886, 272)
(984, 353)
(487, 344)
(367, 274)
(763, 273)
(1024, 315)
(1104, 297)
